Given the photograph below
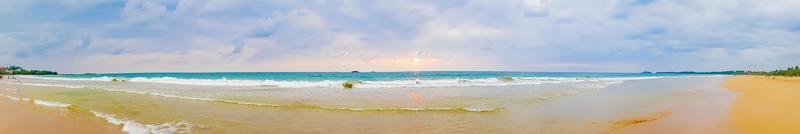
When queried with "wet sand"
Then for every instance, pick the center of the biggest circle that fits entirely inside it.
(618, 108)
(24, 117)
(708, 112)
(766, 104)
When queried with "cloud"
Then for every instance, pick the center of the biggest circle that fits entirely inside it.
(333, 35)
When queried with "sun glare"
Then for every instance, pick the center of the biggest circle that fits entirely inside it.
(416, 60)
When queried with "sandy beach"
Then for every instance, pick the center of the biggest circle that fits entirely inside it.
(24, 117)
(536, 108)
(762, 105)
(765, 104)
(742, 104)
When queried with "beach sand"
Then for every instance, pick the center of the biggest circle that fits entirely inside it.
(679, 105)
(705, 113)
(765, 104)
(23, 117)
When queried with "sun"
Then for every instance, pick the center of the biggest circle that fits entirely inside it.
(416, 60)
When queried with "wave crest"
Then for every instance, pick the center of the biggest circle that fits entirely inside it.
(132, 127)
(505, 81)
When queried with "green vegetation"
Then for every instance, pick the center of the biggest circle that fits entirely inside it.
(350, 84)
(791, 71)
(16, 70)
(720, 72)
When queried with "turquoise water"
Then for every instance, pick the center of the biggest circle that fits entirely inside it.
(366, 79)
(366, 76)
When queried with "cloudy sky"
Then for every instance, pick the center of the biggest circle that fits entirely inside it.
(76, 36)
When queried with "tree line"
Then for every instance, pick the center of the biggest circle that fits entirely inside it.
(791, 72)
(16, 70)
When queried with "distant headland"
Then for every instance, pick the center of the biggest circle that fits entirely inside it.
(16, 70)
(789, 72)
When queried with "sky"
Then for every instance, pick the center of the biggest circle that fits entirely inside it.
(76, 36)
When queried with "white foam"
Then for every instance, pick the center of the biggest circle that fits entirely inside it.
(11, 97)
(50, 103)
(104, 78)
(38, 102)
(132, 127)
(364, 84)
(45, 85)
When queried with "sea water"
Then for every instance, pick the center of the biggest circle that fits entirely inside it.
(401, 102)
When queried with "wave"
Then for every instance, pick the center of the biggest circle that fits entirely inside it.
(295, 105)
(44, 85)
(307, 106)
(14, 98)
(50, 103)
(132, 127)
(128, 126)
(361, 84)
(39, 102)
(477, 109)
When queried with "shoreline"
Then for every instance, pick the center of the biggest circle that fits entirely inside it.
(766, 104)
(707, 113)
(705, 107)
(20, 116)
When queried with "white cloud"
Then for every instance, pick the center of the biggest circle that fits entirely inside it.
(530, 35)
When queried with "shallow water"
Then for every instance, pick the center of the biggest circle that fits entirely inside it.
(590, 106)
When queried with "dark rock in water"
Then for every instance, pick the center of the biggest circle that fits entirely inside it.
(647, 72)
(355, 72)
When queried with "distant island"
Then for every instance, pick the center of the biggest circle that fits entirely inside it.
(16, 70)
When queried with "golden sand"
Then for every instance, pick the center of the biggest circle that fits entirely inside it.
(766, 104)
(637, 121)
(21, 117)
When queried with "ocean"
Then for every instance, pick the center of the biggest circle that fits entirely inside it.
(369, 79)
(379, 102)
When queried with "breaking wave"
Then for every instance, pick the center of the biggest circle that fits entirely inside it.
(38, 101)
(50, 103)
(360, 84)
(132, 127)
